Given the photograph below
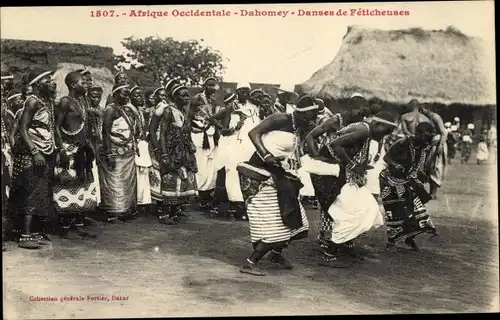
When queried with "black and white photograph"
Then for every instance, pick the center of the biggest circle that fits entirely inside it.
(249, 160)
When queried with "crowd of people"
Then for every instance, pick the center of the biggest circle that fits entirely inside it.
(159, 151)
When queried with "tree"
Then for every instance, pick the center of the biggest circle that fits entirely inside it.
(188, 61)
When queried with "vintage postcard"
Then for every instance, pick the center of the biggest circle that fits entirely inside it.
(249, 160)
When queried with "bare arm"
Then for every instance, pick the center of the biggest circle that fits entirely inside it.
(328, 125)
(165, 122)
(12, 133)
(107, 123)
(60, 114)
(30, 109)
(338, 145)
(275, 122)
(153, 127)
(438, 123)
(404, 126)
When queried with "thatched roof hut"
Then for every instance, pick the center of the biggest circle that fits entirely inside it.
(438, 66)
(22, 56)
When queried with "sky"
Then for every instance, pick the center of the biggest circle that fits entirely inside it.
(281, 50)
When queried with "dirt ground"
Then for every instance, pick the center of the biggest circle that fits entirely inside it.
(195, 271)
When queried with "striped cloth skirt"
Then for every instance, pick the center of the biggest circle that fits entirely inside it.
(264, 215)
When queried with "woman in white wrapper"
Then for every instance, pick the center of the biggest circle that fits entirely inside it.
(355, 210)
(239, 147)
(270, 190)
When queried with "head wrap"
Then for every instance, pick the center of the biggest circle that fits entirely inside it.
(456, 119)
(13, 94)
(134, 88)
(83, 71)
(119, 87)
(170, 83)
(157, 89)
(470, 126)
(228, 97)
(208, 79)
(306, 103)
(96, 88)
(6, 75)
(177, 88)
(256, 91)
(447, 124)
(36, 75)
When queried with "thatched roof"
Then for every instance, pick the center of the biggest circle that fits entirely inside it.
(22, 56)
(443, 66)
(51, 53)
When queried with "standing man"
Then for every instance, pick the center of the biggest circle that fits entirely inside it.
(411, 119)
(205, 135)
(74, 190)
(31, 195)
(436, 165)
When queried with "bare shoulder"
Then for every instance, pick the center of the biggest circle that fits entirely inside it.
(406, 116)
(32, 103)
(110, 111)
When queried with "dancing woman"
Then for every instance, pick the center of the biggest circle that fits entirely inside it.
(402, 190)
(271, 193)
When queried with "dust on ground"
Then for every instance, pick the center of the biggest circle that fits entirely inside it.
(195, 271)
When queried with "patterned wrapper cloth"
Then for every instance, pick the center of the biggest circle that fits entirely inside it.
(178, 165)
(119, 185)
(73, 193)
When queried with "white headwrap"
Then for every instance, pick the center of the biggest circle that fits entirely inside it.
(119, 88)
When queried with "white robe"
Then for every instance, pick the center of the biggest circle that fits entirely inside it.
(205, 160)
(239, 148)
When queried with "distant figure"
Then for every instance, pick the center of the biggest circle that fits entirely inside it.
(482, 150)
(436, 164)
(466, 143)
(451, 141)
(410, 120)
(492, 136)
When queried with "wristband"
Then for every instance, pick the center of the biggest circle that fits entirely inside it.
(34, 151)
(266, 156)
(352, 164)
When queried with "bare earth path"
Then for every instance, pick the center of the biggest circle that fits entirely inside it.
(195, 272)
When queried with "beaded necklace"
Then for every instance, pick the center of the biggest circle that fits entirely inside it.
(83, 112)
